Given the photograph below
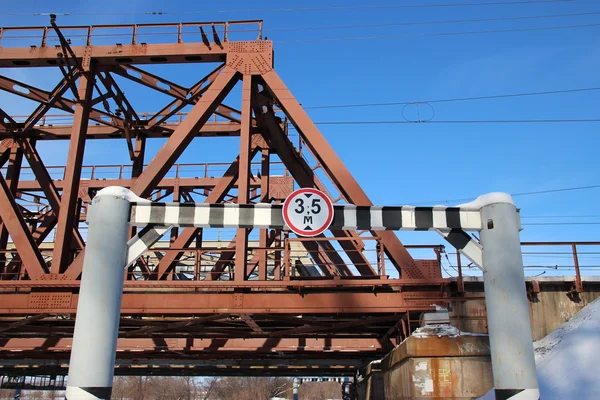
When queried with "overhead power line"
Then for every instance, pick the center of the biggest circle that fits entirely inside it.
(498, 121)
(408, 23)
(287, 9)
(560, 216)
(360, 38)
(499, 96)
(537, 192)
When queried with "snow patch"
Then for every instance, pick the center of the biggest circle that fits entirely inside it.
(567, 359)
(487, 199)
(121, 192)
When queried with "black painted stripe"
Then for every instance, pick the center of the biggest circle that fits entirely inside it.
(246, 216)
(504, 394)
(363, 217)
(453, 218)
(132, 208)
(338, 217)
(458, 238)
(216, 215)
(423, 218)
(187, 213)
(149, 235)
(103, 393)
(277, 221)
(157, 213)
(392, 217)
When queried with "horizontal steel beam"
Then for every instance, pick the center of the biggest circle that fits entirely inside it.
(188, 303)
(165, 183)
(50, 131)
(117, 55)
(125, 347)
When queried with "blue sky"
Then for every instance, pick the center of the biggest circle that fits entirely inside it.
(408, 163)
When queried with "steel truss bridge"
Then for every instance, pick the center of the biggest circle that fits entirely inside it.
(199, 302)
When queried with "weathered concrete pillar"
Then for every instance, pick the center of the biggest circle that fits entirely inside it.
(509, 326)
(93, 354)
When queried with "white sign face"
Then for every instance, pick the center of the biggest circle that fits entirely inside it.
(308, 212)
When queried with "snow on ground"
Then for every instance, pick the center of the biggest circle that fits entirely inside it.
(568, 358)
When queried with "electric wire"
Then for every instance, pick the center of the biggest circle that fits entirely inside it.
(295, 9)
(538, 192)
(455, 99)
(362, 38)
(451, 21)
(496, 121)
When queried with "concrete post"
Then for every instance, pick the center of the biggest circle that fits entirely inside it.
(296, 389)
(509, 326)
(93, 353)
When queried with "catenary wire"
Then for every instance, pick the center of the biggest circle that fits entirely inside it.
(498, 121)
(499, 96)
(287, 9)
(451, 21)
(512, 194)
(361, 38)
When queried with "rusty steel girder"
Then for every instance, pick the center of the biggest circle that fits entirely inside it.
(203, 282)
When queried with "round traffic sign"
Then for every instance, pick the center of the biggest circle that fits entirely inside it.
(308, 212)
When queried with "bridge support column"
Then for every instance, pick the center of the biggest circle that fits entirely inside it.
(511, 343)
(93, 354)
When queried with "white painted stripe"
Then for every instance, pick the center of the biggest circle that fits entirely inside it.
(377, 218)
(470, 220)
(408, 218)
(527, 394)
(439, 218)
(136, 246)
(142, 214)
(262, 215)
(349, 217)
(473, 251)
(171, 215)
(231, 216)
(76, 393)
(201, 215)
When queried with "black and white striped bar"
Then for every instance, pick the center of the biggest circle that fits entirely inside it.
(346, 217)
(144, 238)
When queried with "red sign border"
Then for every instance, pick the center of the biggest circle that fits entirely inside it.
(301, 232)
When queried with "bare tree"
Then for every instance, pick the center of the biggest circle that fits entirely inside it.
(320, 391)
(251, 388)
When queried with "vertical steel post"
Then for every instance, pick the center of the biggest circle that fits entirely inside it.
(511, 343)
(93, 354)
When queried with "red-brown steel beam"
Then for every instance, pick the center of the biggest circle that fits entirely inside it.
(62, 255)
(211, 346)
(188, 234)
(336, 169)
(190, 303)
(165, 183)
(55, 95)
(182, 136)
(149, 80)
(13, 171)
(264, 198)
(63, 132)
(19, 232)
(241, 244)
(47, 186)
(32, 93)
(303, 174)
